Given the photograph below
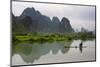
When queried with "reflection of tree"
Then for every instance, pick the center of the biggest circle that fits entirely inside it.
(23, 49)
(31, 52)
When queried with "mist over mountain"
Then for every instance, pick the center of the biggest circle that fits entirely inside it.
(32, 20)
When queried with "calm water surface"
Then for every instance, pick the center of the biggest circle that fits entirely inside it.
(56, 52)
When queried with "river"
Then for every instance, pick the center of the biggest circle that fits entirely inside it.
(56, 52)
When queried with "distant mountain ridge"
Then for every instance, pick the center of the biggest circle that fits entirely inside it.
(32, 20)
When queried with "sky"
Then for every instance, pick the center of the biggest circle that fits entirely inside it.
(79, 16)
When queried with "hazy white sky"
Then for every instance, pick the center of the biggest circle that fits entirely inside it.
(79, 16)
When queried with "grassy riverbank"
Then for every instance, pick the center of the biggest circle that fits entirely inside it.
(52, 37)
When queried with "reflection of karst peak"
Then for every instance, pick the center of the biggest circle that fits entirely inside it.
(67, 44)
(33, 52)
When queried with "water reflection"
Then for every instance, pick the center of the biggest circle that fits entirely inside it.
(31, 52)
(81, 46)
(63, 50)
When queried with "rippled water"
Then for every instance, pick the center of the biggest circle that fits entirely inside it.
(56, 52)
